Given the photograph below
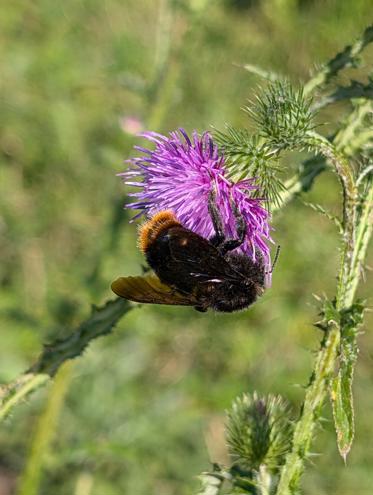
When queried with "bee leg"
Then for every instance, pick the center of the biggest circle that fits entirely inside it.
(241, 229)
(219, 236)
(274, 260)
(218, 240)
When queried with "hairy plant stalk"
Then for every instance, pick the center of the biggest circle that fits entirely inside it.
(310, 413)
(348, 138)
(18, 390)
(363, 234)
(345, 174)
(355, 242)
(264, 481)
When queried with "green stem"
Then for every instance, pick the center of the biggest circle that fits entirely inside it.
(326, 359)
(313, 401)
(348, 140)
(43, 436)
(101, 322)
(264, 481)
(17, 391)
(363, 234)
(345, 174)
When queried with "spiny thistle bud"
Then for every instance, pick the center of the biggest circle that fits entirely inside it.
(284, 115)
(259, 431)
(249, 156)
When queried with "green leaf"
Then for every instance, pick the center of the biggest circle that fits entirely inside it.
(341, 385)
(346, 58)
(211, 484)
(259, 71)
(356, 89)
(343, 409)
(330, 312)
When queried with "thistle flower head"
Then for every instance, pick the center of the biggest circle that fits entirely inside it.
(180, 173)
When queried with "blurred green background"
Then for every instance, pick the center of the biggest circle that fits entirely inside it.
(144, 407)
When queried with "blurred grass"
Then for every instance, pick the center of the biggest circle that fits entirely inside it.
(144, 411)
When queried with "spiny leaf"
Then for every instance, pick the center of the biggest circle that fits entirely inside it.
(211, 484)
(366, 174)
(346, 58)
(341, 385)
(355, 90)
(101, 322)
(330, 312)
(343, 409)
(265, 74)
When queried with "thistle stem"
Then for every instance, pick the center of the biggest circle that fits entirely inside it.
(310, 413)
(363, 234)
(345, 174)
(17, 391)
(354, 251)
(29, 483)
(101, 322)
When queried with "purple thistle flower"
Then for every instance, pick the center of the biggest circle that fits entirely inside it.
(179, 175)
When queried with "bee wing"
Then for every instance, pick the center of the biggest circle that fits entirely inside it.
(199, 257)
(149, 289)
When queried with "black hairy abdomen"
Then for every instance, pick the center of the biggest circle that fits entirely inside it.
(191, 264)
(226, 296)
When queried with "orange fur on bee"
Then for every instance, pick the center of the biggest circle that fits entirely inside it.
(150, 230)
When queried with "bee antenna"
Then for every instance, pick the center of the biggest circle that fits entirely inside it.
(275, 259)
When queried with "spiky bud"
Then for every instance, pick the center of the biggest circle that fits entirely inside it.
(259, 431)
(283, 115)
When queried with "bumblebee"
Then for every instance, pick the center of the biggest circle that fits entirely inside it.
(190, 270)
